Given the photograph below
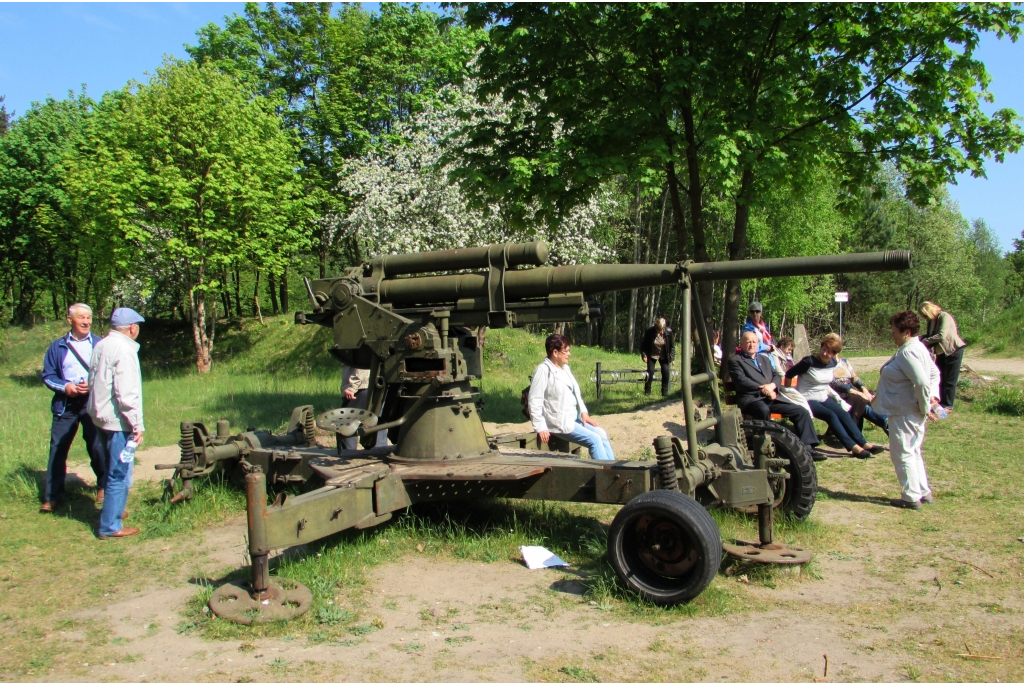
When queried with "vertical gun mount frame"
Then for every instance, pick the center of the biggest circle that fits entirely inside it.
(410, 327)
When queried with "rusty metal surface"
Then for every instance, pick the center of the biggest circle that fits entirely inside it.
(339, 473)
(480, 470)
(775, 553)
(284, 600)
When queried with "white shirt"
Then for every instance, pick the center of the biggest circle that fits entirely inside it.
(907, 382)
(73, 370)
(555, 399)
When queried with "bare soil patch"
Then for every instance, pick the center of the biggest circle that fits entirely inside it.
(986, 365)
(891, 596)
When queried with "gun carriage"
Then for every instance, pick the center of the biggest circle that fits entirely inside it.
(411, 331)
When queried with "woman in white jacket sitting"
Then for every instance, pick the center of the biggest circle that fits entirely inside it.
(556, 403)
(907, 390)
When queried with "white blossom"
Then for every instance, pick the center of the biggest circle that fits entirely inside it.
(403, 200)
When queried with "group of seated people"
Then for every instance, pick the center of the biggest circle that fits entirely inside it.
(826, 388)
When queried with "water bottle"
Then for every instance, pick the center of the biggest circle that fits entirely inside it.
(128, 453)
(941, 411)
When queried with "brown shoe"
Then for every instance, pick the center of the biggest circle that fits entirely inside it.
(99, 496)
(50, 507)
(123, 533)
(124, 515)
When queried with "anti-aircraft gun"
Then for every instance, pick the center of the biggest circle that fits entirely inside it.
(412, 331)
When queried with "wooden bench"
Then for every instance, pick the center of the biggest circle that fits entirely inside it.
(729, 394)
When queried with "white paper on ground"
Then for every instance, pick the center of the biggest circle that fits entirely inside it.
(538, 557)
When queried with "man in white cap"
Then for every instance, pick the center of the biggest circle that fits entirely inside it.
(115, 405)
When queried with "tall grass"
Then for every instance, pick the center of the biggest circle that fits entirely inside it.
(1004, 333)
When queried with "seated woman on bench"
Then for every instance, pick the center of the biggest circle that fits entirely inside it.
(816, 372)
(757, 390)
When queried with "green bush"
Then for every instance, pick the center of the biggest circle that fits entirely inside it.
(1003, 400)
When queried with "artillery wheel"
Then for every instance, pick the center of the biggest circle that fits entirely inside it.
(796, 495)
(665, 546)
(285, 599)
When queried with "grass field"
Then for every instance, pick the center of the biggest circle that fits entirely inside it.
(53, 571)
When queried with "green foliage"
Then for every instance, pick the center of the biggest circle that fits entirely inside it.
(5, 117)
(1003, 333)
(1003, 399)
(195, 175)
(944, 271)
(1015, 271)
(343, 81)
(743, 97)
(991, 269)
(796, 220)
(42, 236)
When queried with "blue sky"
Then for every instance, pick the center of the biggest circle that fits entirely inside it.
(49, 48)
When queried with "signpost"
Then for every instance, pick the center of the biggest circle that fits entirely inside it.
(840, 298)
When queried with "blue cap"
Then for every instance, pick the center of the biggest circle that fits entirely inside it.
(125, 316)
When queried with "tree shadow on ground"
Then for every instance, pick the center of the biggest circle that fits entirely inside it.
(80, 498)
(853, 497)
(268, 411)
(29, 379)
(460, 521)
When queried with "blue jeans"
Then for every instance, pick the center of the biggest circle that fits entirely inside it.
(594, 439)
(841, 423)
(119, 480)
(874, 417)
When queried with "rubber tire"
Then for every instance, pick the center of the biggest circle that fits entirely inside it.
(673, 508)
(802, 486)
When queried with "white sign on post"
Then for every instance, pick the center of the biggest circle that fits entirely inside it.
(840, 298)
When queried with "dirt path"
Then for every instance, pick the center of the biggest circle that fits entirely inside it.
(461, 621)
(873, 611)
(981, 365)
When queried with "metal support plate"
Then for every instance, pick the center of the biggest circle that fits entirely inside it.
(285, 599)
(775, 553)
(345, 421)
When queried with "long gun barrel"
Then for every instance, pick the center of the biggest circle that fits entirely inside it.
(598, 278)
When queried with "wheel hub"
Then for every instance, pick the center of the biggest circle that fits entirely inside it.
(664, 547)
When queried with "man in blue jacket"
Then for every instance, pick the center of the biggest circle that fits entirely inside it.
(66, 373)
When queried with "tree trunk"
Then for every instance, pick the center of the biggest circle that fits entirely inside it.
(737, 251)
(238, 291)
(272, 287)
(695, 195)
(615, 321)
(201, 337)
(284, 290)
(256, 296)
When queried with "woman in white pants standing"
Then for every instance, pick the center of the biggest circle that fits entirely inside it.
(907, 389)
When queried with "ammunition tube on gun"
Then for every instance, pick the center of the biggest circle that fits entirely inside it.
(522, 254)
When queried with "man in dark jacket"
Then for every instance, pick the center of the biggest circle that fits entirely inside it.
(757, 385)
(66, 373)
(658, 348)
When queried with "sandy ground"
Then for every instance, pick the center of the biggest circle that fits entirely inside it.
(979, 365)
(510, 621)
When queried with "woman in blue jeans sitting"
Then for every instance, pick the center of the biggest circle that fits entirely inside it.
(556, 403)
(816, 373)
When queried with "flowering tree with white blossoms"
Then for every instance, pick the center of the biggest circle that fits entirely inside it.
(403, 201)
